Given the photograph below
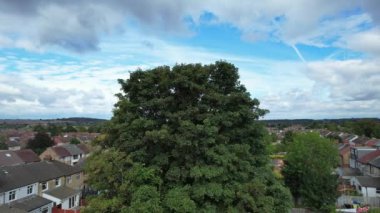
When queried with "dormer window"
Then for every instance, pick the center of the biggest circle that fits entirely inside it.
(57, 182)
(30, 189)
(12, 195)
(44, 186)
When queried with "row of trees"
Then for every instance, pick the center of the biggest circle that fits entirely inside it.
(187, 139)
(55, 129)
(363, 127)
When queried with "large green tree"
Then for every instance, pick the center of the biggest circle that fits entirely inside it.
(185, 139)
(40, 142)
(308, 171)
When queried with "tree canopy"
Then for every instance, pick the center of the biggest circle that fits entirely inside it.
(75, 141)
(185, 139)
(40, 142)
(308, 171)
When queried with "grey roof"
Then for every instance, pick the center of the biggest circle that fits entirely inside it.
(8, 158)
(368, 181)
(361, 140)
(62, 192)
(30, 203)
(348, 136)
(9, 209)
(72, 149)
(12, 177)
(375, 162)
(361, 151)
(349, 172)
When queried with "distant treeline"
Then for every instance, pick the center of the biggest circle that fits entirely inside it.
(369, 127)
(55, 125)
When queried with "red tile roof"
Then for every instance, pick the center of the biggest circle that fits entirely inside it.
(372, 142)
(27, 155)
(370, 156)
(57, 140)
(61, 151)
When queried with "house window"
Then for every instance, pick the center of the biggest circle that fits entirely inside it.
(12, 195)
(71, 202)
(44, 186)
(29, 190)
(68, 179)
(378, 190)
(57, 182)
(75, 157)
(78, 176)
(45, 210)
(360, 188)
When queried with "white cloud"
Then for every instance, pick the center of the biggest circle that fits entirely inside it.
(354, 80)
(79, 27)
(367, 42)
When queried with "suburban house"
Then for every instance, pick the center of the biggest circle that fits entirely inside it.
(10, 158)
(325, 133)
(40, 186)
(364, 160)
(14, 145)
(357, 152)
(367, 186)
(373, 142)
(66, 153)
(345, 176)
(348, 138)
(83, 137)
(373, 168)
(344, 155)
(17, 139)
(359, 141)
(27, 155)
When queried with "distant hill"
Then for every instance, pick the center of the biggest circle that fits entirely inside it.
(81, 120)
(73, 121)
(307, 122)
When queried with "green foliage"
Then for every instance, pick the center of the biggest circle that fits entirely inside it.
(40, 142)
(288, 138)
(69, 128)
(97, 127)
(81, 128)
(39, 128)
(332, 126)
(309, 165)
(374, 210)
(3, 145)
(54, 130)
(367, 128)
(75, 141)
(185, 139)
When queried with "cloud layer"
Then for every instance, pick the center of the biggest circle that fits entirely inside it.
(80, 26)
(77, 51)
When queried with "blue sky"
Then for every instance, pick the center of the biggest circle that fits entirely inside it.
(301, 58)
